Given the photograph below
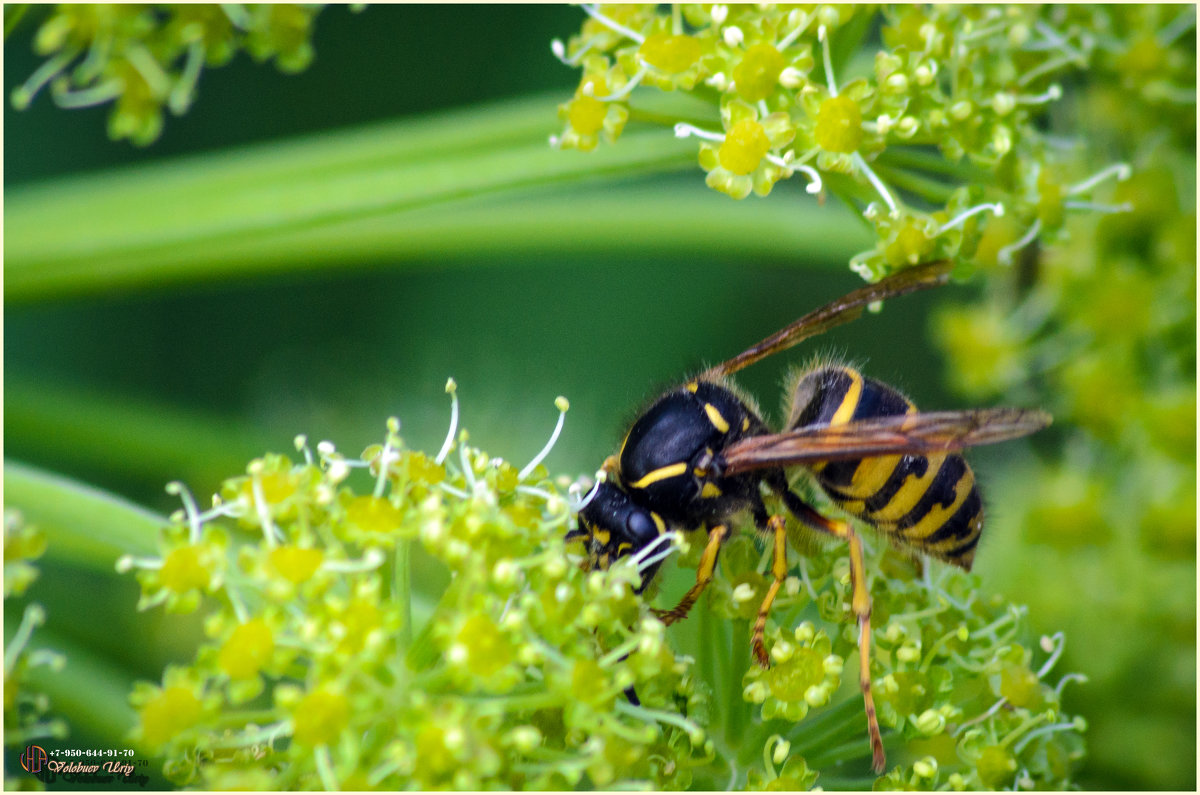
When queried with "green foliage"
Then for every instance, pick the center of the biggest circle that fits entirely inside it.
(791, 89)
(1090, 317)
(26, 708)
(314, 674)
(1102, 325)
(146, 59)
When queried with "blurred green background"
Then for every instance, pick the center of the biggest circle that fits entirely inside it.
(132, 386)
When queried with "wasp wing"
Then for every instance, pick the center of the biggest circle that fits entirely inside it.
(921, 433)
(843, 310)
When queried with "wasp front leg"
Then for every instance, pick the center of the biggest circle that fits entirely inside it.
(704, 575)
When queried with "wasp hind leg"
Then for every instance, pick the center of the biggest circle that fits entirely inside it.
(704, 575)
(860, 602)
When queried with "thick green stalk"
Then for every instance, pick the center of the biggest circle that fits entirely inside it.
(84, 526)
(453, 185)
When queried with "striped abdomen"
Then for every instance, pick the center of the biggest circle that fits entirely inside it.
(930, 503)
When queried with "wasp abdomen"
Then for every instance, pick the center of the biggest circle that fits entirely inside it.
(927, 502)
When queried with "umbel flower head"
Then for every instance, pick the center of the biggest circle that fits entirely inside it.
(950, 107)
(323, 667)
(313, 674)
(147, 59)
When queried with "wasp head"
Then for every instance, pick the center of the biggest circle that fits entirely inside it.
(612, 526)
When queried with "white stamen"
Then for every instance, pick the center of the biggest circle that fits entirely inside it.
(1054, 92)
(801, 26)
(876, 182)
(827, 59)
(301, 445)
(640, 557)
(611, 24)
(997, 209)
(1121, 171)
(1055, 645)
(33, 618)
(260, 507)
(1004, 256)
(371, 560)
(1068, 678)
(562, 405)
(452, 390)
(719, 13)
(85, 98)
(733, 36)
(591, 495)
(814, 185)
(627, 88)
(127, 563)
(182, 93)
(23, 95)
(178, 489)
(1108, 209)
(654, 560)
(683, 130)
(1041, 732)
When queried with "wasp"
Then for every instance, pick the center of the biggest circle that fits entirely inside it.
(700, 454)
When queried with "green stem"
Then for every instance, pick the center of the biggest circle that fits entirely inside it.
(737, 706)
(127, 226)
(459, 184)
(84, 526)
(403, 594)
(931, 190)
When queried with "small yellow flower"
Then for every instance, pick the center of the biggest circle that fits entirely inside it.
(248, 650)
(319, 718)
(172, 711)
(839, 125)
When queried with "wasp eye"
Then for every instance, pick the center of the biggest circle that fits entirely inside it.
(642, 529)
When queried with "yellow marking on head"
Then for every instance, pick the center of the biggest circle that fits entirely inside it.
(623, 548)
(714, 416)
(692, 386)
(603, 536)
(699, 472)
(710, 490)
(745, 423)
(850, 400)
(658, 522)
(662, 473)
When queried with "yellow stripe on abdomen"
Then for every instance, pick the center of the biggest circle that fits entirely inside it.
(910, 493)
(850, 400)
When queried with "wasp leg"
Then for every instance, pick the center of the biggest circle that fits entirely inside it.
(704, 575)
(779, 570)
(860, 601)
